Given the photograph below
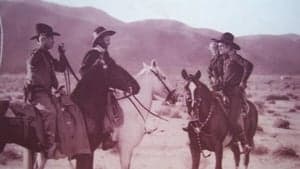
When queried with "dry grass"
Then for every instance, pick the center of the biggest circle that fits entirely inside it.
(277, 97)
(286, 151)
(297, 107)
(271, 111)
(259, 128)
(281, 123)
(260, 150)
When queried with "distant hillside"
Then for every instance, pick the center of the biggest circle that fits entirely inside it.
(172, 43)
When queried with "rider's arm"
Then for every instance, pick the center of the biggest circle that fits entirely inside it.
(87, 62)
(61, 64)
(247, 66)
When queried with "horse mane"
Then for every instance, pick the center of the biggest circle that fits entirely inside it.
(215, 98)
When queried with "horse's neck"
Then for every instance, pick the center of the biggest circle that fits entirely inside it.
(206, 106)
(145, 94)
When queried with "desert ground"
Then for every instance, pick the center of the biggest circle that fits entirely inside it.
(276, 141)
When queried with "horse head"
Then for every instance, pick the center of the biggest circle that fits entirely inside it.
(119, 78)
(197, 94)
(159, 82)
(98, 80)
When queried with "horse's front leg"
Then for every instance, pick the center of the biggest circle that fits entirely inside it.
(195, 149)
(236, 153)
(40, 161)
(219, 154)
(125, 155)
(195, 152)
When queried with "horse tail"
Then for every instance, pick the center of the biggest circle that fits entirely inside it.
(4, 104)
(252, 122)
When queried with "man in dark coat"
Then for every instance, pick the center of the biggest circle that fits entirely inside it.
(215, 68)
(99, 55)
(41, 79)
(236, 71)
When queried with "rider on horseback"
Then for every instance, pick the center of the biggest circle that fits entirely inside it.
(41, 79)
(234, 75)
(99, 55)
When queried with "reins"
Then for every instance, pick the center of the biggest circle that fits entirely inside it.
(164, 84)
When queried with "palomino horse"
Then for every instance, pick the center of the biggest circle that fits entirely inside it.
(90, 95)
(210, 131)
(152, 82)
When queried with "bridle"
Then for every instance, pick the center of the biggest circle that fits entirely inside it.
(170, 92)
(195, 108)
(128, 96)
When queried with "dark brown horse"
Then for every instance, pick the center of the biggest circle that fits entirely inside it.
(210, 128)
(90, 95)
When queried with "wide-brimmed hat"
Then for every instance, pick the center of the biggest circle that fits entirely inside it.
(42, 28)
(100, 32)
(228, 39)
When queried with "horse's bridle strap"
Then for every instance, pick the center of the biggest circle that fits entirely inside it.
(157, 75)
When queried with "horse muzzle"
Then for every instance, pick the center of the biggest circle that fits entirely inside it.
(172, 97)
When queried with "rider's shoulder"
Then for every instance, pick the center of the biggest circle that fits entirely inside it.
(35, 55)
(236, 57)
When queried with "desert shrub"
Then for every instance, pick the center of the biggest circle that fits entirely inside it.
(260, 150)
(272, 102)
(286, 151)
(259, 128)
(292, 110)
(176, 115)
(281, 123)
(291, 95)
(277, 97)
(297, 107)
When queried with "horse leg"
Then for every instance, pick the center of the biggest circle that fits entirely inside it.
(28, 157)
(85, 161)
(125, 156)
(219, 155)
(195, 152)
(246, 159)
(40, 161)
(247, 154)
(236, 153)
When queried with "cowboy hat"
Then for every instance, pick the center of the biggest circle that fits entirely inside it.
(100, 32)
(227, 38)
(42, 28)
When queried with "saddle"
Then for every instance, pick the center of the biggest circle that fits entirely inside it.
(71, 129)
(225, 103)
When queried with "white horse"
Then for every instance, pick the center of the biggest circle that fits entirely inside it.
(129, 135)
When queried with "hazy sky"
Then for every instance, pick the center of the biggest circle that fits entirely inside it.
(241, 17)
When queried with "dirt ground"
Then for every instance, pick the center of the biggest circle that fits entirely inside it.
(276, 142)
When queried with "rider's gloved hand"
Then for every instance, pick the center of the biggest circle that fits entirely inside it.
(130, 90)
(243, 85)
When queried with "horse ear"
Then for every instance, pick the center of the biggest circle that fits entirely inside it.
(184, 74)
(145, 65)
(153, 63)
(198, 75)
